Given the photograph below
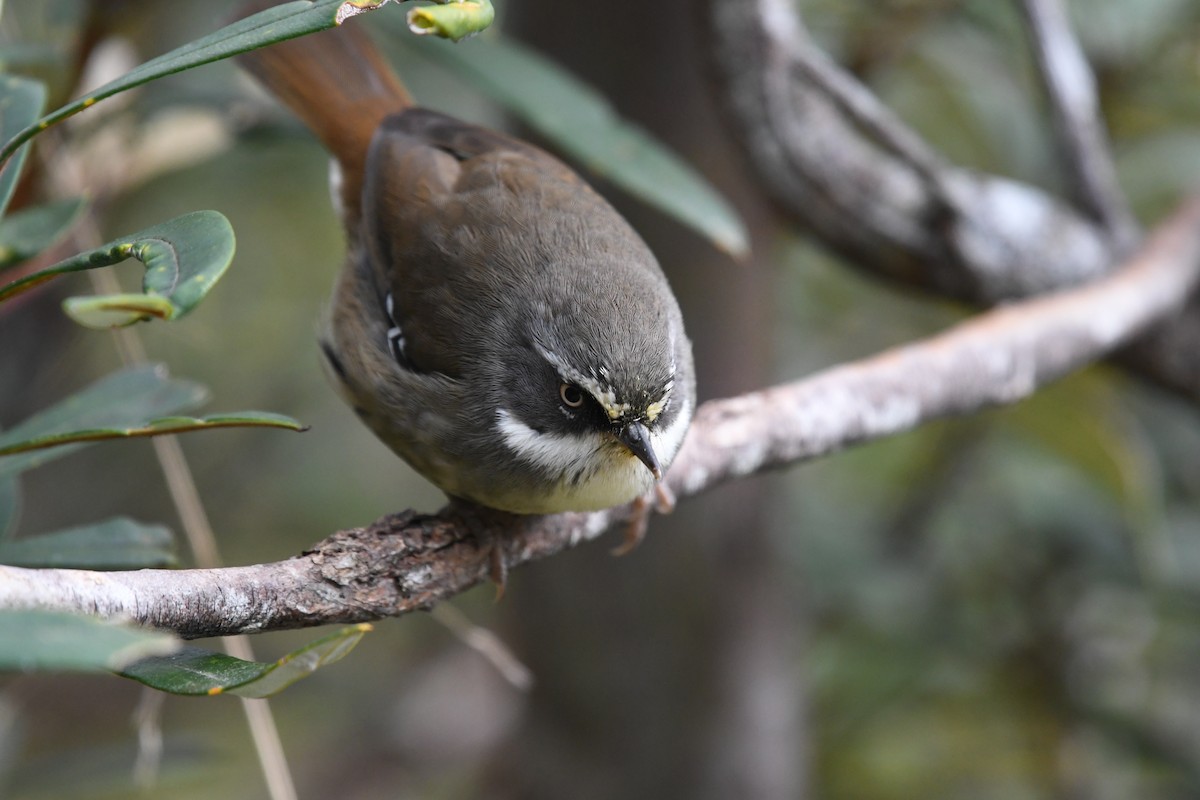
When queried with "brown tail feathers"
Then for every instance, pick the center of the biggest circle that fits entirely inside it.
(335, 81)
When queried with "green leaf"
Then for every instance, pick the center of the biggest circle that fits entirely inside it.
(194, 671)
(584, 124)
(27, 57)
(123, 398)
(284, 21)
(50, 640)
(118, 543)
(10, 503)
(155, 427)
(453, 19)
(117, 310)
(1079, 421)
(21, 101)
(184, 257)
(32, 230)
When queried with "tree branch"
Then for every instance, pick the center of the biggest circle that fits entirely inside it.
(1082, 144)
(407, 562)
(852, 174)
(860, 106)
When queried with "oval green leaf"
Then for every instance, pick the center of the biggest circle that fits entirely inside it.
(118, 543)
(582, 122)
(124, 398)
(197, 672)
(454, 19)
(184, 257)
(21, 101)
(155, 427)
(51, 640)
(1079, 421)
(117, 310)
(10, 503)
(28, 57)
(30, 231)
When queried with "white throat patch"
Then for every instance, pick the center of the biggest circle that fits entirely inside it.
(556, 453)
(587, 472)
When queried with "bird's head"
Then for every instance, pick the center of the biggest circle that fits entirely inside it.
(599, 396)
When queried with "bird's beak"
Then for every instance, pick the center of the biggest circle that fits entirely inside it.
(636, 437)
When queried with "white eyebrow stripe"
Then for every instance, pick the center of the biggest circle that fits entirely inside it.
(603, 395)
(556, 453)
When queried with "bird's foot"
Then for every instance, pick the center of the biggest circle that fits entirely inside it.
(497, 567)
(478, 521)
(660, 499)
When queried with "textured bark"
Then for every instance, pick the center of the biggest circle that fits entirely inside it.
(408, 562)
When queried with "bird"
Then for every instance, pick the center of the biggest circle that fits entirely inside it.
(496, 322)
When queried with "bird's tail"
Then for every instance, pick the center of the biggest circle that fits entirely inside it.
(335, 81)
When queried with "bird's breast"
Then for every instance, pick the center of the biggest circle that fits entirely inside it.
(587, 471)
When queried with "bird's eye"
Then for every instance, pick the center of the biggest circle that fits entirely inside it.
(570, 394)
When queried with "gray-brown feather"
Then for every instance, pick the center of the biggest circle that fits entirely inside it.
(495, 254)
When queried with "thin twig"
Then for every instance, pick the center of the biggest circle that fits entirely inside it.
(147, 719)
(181, 486)
(1075, 109)
(68, 175)
(407, 562)
(486, 644)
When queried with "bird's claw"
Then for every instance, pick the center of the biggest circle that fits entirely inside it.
(660, 499)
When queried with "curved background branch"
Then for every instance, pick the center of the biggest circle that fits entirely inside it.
(1075, 110)
(409, 562)
(847, 170)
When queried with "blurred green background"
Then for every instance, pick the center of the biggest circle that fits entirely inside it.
(1004, 606)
